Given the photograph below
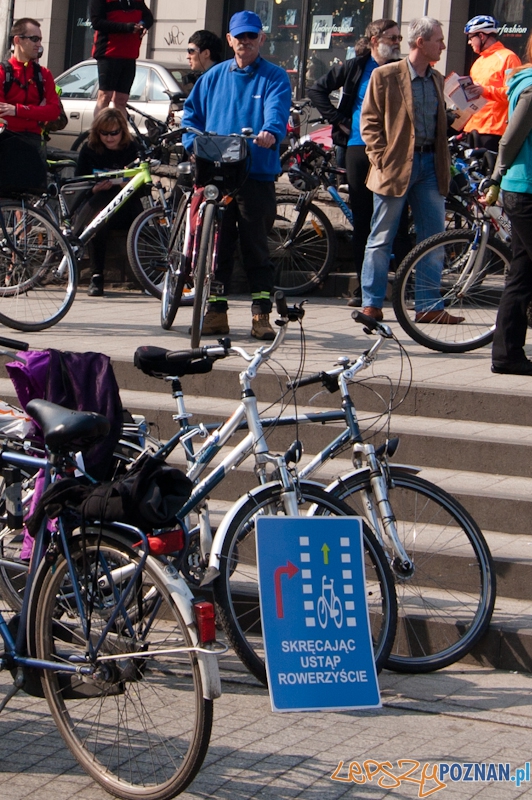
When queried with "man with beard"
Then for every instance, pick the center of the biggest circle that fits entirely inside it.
(384, 38)
(404, 126)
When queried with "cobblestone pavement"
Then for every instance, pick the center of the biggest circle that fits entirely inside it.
(461, 714)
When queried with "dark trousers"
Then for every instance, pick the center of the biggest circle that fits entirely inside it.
(511, 326)
(121, 220)
(250, 217)
(361, 200)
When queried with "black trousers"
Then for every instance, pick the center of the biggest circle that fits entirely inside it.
(250, 217)
(121, 220)
(511, 327)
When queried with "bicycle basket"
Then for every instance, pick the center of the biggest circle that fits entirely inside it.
(223, 161)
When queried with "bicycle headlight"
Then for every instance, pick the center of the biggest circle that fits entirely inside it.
(211, 192)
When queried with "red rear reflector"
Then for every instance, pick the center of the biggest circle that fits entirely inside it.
(205, 619)
(168, 542)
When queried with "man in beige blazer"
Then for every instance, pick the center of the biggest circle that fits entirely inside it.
(404, 127)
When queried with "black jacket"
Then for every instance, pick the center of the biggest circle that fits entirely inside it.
(348, 76)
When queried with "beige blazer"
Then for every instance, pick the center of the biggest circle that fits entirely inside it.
(387, 127)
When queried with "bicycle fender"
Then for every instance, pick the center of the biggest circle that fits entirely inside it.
(407, 468)
(183, 598)
(213, 569)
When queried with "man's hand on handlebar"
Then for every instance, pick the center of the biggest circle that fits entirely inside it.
(265, 139)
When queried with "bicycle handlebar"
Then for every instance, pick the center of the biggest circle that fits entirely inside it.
(372, 324)
(13, 344)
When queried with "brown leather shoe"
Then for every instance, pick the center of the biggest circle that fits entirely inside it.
(215, 322)
(376, 313)
(438, 317)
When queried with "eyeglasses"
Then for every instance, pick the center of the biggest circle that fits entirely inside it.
(473, 35)
(192, 50)
(111, 133)
(397, 38)
(34, 39)
(242, 36)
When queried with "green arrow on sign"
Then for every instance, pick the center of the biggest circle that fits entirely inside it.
(325, 550)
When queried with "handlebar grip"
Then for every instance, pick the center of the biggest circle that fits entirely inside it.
(363, 319)
(14, 344)
(280, 304)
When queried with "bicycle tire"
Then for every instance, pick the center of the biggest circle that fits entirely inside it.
(174, 283)
(139, 727)
(78, 141)
(37, 288)
(457, 215)
(238, 611)
(478, 304)
(202, 274)
(302, 262)
(445, 606)
(147, 248)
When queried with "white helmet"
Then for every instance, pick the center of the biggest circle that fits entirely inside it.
(483, 23)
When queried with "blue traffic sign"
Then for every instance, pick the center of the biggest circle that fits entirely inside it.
(315, 624)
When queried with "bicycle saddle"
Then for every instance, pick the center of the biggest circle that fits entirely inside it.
(66, 429)
(153, 361)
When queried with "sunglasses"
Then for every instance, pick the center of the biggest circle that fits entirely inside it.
(111, 133)
(192, 50)
(242, 36)
(396, 38)
(34, 39)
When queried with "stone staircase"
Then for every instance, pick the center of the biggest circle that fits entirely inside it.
(475, 444)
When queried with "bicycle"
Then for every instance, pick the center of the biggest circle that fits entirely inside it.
(227, 561)
(116, 635)
(221, 165)
(443, 570)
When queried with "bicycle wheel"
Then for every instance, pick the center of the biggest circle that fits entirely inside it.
(147, 247)
(38, 278)
(202, 274)
(140, 727)
(477, 302)
(445, 604)
(236, 589)
(302, 246)
(178, 269)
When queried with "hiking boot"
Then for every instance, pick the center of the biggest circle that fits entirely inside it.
(96, 286)
(215, 322)
(261, 328)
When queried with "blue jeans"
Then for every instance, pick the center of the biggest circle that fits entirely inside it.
(428, 208)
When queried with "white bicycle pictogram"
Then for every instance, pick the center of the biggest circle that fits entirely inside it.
(329, 604)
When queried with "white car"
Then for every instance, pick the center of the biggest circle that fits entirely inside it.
(153, 85)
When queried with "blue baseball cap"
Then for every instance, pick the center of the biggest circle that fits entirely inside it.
(245, 22)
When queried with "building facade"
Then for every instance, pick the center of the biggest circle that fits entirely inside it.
(304, 36)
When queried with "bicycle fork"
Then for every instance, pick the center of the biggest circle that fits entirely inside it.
(379, 511)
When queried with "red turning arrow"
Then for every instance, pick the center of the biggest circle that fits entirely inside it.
(289, 570)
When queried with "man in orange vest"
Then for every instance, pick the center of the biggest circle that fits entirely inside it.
(489, 73)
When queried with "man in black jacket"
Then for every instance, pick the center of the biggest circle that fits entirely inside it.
(383, 39)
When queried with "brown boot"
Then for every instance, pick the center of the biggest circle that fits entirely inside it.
(215, 322)
(261, 328)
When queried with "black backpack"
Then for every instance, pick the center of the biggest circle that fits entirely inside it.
(10, 79)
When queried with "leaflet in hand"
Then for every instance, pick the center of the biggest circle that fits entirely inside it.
(458, 98)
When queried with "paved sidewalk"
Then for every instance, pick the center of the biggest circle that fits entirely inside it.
(458, 715)
(118, 323)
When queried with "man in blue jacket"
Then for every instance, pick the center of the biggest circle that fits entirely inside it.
(244, 92)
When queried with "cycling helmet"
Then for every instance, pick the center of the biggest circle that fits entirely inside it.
(483, 23)
(302, 180)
